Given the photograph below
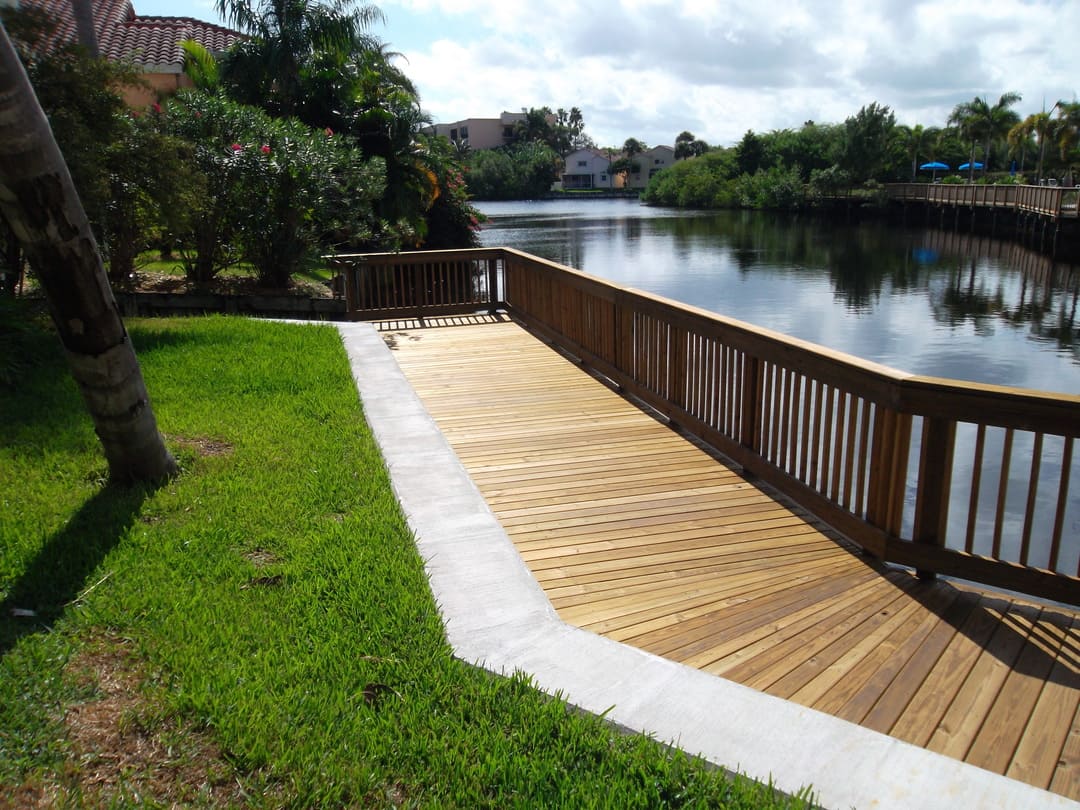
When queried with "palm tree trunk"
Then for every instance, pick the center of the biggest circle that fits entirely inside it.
(40, 204)
(84, 24)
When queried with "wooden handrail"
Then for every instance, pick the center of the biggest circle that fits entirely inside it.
(968, 480)
(1054, 202)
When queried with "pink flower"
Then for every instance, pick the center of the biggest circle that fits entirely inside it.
(264, 149)
(198, 114)
(329, 132)
(237, 147)
(155, 107)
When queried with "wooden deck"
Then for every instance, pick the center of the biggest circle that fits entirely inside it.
(641, 535)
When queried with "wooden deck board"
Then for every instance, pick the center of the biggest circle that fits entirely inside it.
(642, 535)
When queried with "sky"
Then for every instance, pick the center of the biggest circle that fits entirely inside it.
(651, 69)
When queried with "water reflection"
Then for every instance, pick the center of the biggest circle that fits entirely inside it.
(922, 300)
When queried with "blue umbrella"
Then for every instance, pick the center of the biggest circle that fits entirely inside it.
(969, 165)
(935, 167)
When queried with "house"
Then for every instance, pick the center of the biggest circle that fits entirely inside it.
(480, 133)
(649, 163)
(588, 168)
(151, 43)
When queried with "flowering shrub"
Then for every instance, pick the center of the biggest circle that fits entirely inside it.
(277, 190)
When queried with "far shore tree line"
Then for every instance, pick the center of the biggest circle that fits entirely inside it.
(790, 168)
(305, 138)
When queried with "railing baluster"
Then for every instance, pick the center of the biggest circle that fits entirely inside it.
(815, 450)
(828, 428)
(804, 439)
(838, 445)
(1033, 488)
(1063, 495)
(1003, 489)
(976, 479)
(849, 456)
(864, 459)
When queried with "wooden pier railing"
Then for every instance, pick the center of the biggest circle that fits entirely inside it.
(966, 480)
(1053, 202)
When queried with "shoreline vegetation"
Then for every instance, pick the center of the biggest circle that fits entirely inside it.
(259, 631)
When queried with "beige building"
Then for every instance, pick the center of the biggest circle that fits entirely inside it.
(649, 163)
(480, 133)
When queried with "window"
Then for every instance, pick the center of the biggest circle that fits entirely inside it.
(453, 134)
(582, 163)
(464, 133)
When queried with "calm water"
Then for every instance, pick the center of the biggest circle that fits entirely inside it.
(920, 300)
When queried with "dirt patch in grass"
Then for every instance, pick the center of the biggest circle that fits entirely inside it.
(203, 445)
(261, 557)
(125, 749)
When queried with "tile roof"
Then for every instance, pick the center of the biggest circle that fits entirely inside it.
(150, 42)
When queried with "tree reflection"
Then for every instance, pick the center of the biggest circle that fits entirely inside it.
(1042, 296)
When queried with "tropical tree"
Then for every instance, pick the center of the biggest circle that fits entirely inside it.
(568, 132)
(1020, 139)
(84, 25)
(918, 142)
(1038, 125)
(866, 139)
(1066, 131)
(287, 42)
(535, 125)
(40, 203)
(980, 122)
(687, 146)
(750, 153)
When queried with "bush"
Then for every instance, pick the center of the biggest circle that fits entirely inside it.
(773, 189)
(702, 182)
(521, 172)
(276, 189)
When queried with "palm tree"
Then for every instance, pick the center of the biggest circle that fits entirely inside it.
(84, 25)
(1040, 125)
(1066, 129)
(978, 121)
(43, 209)
(918, 142)
(1019, 139)
(286, 39)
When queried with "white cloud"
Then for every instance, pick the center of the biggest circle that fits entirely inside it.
(652, 68)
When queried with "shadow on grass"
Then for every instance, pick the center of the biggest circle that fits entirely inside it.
(58, 575)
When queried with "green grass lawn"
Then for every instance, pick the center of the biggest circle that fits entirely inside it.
(259, 632)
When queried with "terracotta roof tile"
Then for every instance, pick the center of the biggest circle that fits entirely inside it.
(150, 42)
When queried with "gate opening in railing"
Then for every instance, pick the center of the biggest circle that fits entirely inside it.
(967, 480)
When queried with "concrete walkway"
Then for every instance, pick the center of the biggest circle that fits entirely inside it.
(497, 616)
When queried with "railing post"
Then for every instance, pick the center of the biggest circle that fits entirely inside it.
(750, 407)
(888, 470)
(935, 480)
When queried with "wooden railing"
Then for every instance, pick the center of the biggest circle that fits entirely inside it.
(1054, 202)
(391, 285)
(972, 481)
